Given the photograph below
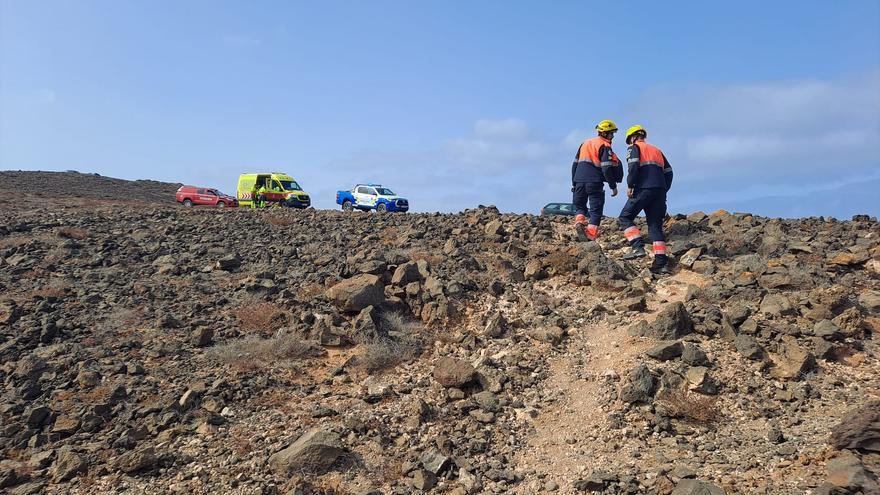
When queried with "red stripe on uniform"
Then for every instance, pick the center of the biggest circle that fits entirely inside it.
(659, 247)
(632, 233)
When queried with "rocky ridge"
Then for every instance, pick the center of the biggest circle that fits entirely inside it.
(153, 349)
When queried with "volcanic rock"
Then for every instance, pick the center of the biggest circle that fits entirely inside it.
(859, 429)
(666, 351)
(791, 361)
(451, 372)
(316, 450)
(358, 292)
(673, 322)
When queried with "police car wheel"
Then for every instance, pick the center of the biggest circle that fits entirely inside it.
(381, 207)
(346, 205)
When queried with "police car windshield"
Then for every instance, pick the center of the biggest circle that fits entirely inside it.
(384, 191)
(290, 185)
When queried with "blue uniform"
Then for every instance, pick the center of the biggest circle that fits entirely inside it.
(650, 176)
(594, 164)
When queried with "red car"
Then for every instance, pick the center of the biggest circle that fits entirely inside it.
(191, 195)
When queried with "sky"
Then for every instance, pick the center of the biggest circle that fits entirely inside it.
(767, 107)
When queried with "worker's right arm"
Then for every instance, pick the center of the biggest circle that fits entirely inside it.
(632, 162)
(574, 164)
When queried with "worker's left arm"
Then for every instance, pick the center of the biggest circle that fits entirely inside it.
(611, 168)
(667, 172)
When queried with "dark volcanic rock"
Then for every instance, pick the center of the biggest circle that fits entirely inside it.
(748, 347)
(67, 465)
(672, 323)
(358, 292)
(692, 354)
(640, 385)
(697, 487)
(847, 471)
(859, 429)
(666, 351)
(316, 450)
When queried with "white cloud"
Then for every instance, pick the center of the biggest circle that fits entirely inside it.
(574, 138)
(720, 148)
(507, 129)
(498, 143)
(727, 144)
(779, 133)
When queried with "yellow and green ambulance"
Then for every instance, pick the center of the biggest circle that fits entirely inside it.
(277, 188)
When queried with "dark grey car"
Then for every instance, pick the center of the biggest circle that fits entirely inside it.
(566, 209)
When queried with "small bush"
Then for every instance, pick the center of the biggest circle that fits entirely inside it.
(265, 318)
(689, 406)
(310, 291)
(433, 259)
(403, 341)
(278, 221)
(72, 233)
(391, 323)
(255, 352)
(386, 353)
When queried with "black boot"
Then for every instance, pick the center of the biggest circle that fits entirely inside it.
(635, 252)
(660, 266)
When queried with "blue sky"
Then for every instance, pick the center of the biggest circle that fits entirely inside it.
(452, 103)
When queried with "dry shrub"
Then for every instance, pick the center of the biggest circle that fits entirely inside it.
(561, 262)
(262, 317)
(49, 292)
(253, 352)
(17, 454)
(95, 395)
(433, 259)
(303, 483)
(385, 353)
(690, 406)
(72, 233)
(389, 236)
(278, 221)
(279, 400)
(310, 291)
(398, 323)
(240, 443)
(389, 471)
(25, 470)
(404, 340)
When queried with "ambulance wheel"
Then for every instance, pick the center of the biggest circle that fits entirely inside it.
(381, 207)
(187, 203)
(346, 205)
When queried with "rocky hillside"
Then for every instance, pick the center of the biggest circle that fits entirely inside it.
(51, 189)
(155, 349)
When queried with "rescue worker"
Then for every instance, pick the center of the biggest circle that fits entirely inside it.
(648, 178)
(261, 194)
(594, 164)
(254, 192)
(258, 195)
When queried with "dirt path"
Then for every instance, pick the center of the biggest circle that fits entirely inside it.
(567, 443)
